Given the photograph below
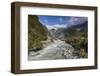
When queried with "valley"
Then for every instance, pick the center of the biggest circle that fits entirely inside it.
(57, 43)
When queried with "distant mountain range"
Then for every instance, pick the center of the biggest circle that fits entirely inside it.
(73, 30)
(80, 27)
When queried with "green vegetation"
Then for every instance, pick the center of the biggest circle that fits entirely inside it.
(75, 35)
(78, 39)
(36, 32)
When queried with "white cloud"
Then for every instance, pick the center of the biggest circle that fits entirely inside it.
(77, 20)
(56, 26)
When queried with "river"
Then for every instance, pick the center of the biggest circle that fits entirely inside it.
(58, 49)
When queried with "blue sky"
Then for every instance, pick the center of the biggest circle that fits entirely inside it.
(61, 21)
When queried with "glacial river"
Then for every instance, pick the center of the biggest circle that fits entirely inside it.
(56, 50)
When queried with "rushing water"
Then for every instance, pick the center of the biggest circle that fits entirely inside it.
(56, 50)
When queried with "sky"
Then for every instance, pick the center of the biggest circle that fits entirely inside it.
(61, 21)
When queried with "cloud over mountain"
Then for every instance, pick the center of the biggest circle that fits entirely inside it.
(61, 21)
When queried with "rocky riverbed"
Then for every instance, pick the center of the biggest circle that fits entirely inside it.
(56, 50)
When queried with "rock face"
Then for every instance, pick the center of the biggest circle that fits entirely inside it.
(57, 50)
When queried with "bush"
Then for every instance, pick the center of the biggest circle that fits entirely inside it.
(79, 43)
(36, 32)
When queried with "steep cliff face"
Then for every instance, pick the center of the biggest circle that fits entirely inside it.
(36, 32)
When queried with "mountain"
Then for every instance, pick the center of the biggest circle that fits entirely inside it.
(58, 33)
(36, 32)
(80, 27)
(73, 30)
(75, 35)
